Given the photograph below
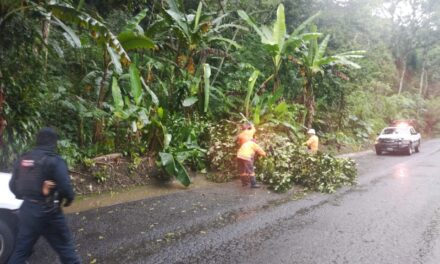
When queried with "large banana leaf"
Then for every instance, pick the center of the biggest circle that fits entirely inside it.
(180, 20)
(295, 42)
(135, 84)
(115, 59)
(97, 29)
(276, 36)
(207, 90)
(130, 40)
(230, 41)
(154, 98)
(73, 37)
(304, 24)
(174, 168)
(265, 39)
(134, 22)
(279, 32)
(189, 101)
(174, 5)
(250, 90)
(118, 102)
(322, 48)
(198, 14)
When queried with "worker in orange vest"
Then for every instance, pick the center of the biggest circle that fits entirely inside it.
(246, 156)
(247, 133)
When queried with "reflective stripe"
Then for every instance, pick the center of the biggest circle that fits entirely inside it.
(247, 151)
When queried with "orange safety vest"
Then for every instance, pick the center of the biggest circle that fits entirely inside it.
(248, 150)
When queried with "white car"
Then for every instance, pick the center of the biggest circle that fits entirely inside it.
(8, 217)
(402, 138)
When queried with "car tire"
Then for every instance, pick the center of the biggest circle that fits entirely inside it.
(378, 151)
(7, 242)
(409, 150)
(417, 148)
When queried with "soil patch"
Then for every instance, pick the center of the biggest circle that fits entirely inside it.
(113, 174)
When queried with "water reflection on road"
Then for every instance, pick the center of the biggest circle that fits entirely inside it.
(133, 194)
(402, 174)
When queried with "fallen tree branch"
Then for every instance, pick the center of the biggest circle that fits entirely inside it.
(108, 157)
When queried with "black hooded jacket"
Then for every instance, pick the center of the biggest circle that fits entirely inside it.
(54, 167)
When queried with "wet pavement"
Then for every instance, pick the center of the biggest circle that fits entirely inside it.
(391, 216)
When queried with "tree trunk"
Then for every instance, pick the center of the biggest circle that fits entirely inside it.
(101, 96)
(402, 77)
(81, 131)
(3, 122)
(309, 103)
(422, 78)
(310, 111)
(223, 58)
(425, 90)
(45, 32)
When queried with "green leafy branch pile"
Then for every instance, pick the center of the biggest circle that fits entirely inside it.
(222, 151)
(288, 164)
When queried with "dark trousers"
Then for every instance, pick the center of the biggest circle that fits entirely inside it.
(37, 220)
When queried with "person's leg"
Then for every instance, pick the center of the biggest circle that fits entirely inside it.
(254, 182)
(244, 180)
(242, 171)
(60, 239)
(30, 226)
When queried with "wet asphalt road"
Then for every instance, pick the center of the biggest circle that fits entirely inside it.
(391, 216)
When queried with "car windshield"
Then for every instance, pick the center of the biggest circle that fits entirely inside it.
(394, 130)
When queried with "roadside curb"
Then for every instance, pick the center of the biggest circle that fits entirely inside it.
(354, 154)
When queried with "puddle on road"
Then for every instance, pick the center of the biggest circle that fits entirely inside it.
(83, 203)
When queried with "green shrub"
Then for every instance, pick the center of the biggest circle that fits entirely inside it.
(222, 151)
(288, 164)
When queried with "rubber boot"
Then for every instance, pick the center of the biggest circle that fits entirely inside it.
(244, 180)
(254, 182)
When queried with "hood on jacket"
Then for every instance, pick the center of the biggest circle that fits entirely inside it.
(47, 138)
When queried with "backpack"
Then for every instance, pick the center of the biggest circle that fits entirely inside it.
(30, 175)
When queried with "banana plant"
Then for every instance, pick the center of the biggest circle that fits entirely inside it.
(195, 35)
(250, 90)
(117, 46)
(276, 40)
(312, 61)
(146, 116)
(195, 32)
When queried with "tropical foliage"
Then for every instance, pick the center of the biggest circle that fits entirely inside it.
(173, 79)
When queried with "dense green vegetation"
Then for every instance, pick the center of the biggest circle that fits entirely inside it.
(158, 77)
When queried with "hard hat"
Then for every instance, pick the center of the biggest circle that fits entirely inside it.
(311, 131)
(246, 126)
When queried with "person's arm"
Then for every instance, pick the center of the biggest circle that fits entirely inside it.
(12, 186)
(62, 180)
(309, 142)
(253, 130)
(259, 150)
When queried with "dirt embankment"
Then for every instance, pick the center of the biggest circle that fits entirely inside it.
(113, 172)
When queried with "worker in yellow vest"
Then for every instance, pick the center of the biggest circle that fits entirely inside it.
(313, 141)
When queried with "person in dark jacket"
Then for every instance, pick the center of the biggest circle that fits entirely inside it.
(40, 177)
